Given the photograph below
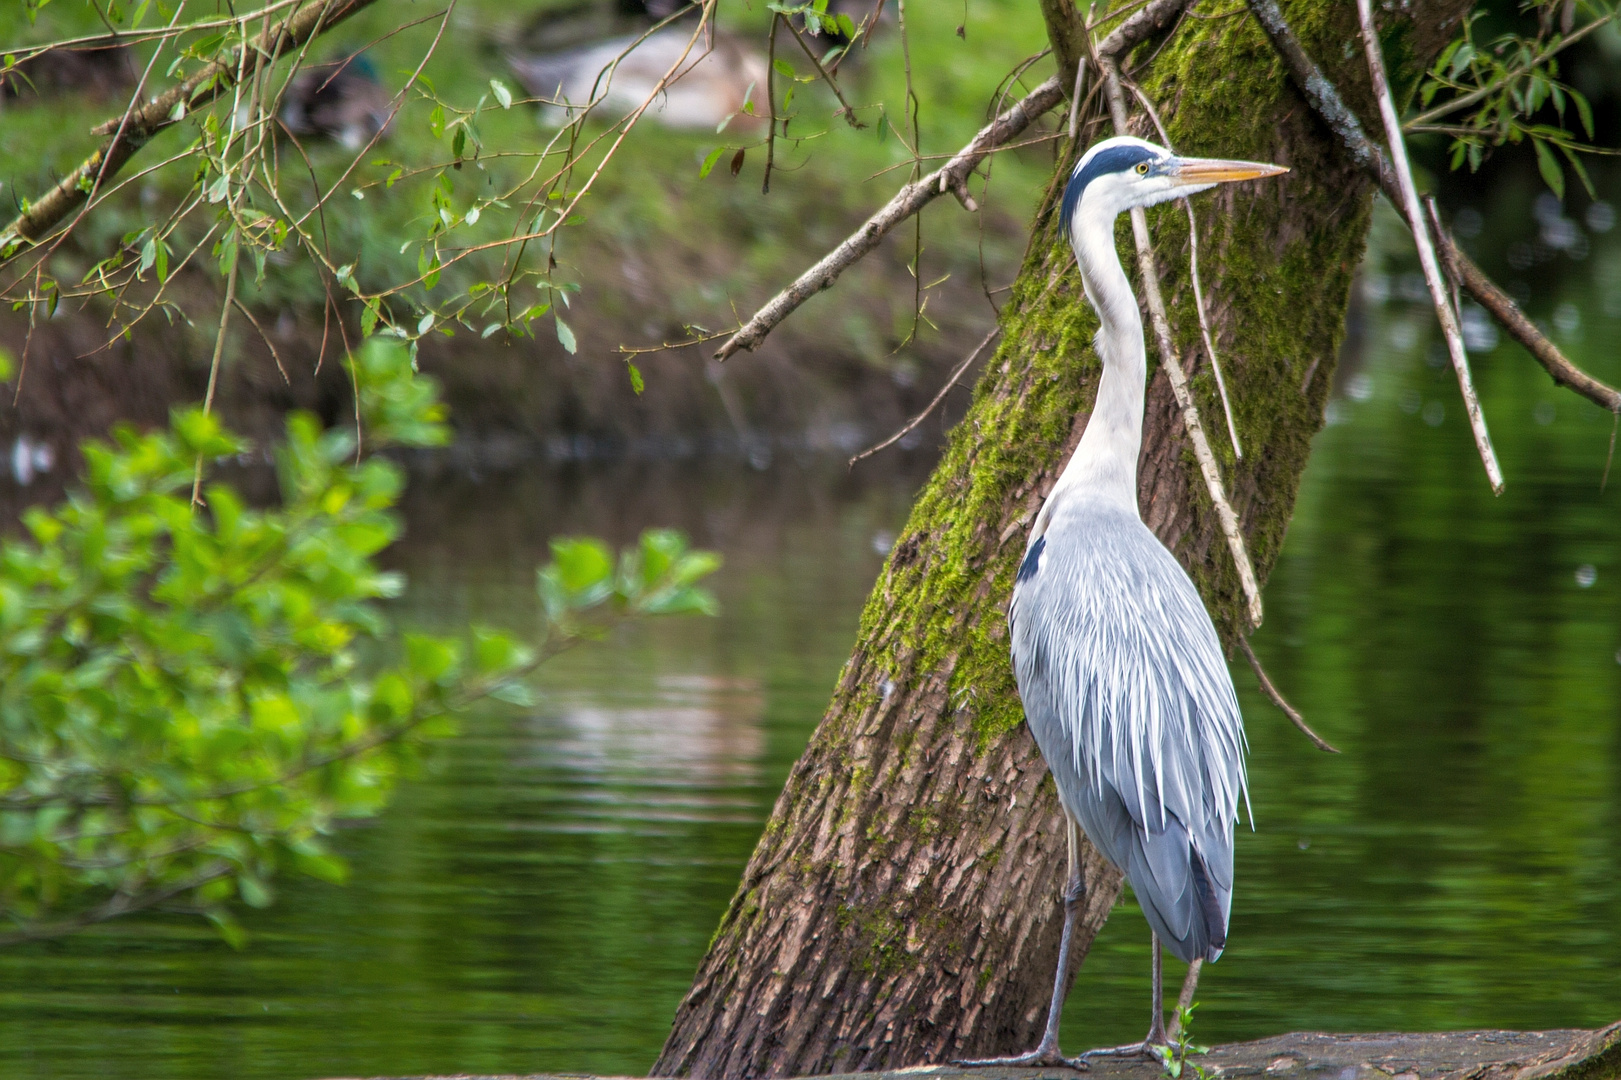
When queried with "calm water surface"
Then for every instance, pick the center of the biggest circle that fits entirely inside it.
(538, 897)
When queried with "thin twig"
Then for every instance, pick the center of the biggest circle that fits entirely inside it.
(118, 904)
(1193, 272)
(951, 381)
(1426, 249)
(1508, 314)
(770, 103)
(1075, 99)
(1609, 458)
(271, 345)
(848, 110)
(1172, 364)
(214, 367)
(952, 176)
(1288, 710)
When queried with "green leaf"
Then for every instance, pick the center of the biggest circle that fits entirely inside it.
(582, 564)
(326, 867)
(710, 159)
(228, 927)
(565, 335)
(431, 658)
(1580, 170)
(580, 576)
(636, 383)
(1548, 165)
(784, 68)
(1461, 58)
(1583, 110)
(515, 693)
(254, 892)
(502, 94)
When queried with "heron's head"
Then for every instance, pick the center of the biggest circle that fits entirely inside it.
(1121, 173)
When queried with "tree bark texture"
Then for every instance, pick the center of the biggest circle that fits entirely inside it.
(901, 906)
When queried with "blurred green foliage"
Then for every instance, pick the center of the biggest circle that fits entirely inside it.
(190, 697)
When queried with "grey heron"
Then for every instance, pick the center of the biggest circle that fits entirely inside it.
(1118, 664)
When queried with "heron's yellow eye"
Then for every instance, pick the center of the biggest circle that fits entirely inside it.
(1142, 168)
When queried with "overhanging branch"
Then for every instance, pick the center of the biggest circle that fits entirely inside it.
(124, 135)
(1324, 98)
(952, 176)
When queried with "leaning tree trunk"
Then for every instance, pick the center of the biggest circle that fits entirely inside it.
(900, 907)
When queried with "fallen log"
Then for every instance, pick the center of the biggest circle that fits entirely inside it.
(1567, 1054)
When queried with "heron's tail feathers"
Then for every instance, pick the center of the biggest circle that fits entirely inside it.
(1181, 893)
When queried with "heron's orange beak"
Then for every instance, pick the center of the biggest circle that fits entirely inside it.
(1215, 171)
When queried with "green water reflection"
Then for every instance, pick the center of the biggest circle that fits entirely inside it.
(537, 899)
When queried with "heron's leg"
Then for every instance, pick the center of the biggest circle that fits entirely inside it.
(1156, 1024)
(1157, 1038)
(1046, 1052)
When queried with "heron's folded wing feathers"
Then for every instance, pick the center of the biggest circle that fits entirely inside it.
(1127, 692)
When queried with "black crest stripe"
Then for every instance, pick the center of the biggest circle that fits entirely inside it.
(1114, 159)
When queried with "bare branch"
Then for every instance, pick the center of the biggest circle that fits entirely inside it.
(275, 354)
(1503, 308)
(1066, 31)
(1426, 249)
(1326, 101)
(127, 133)
(952, 176)
(951, 381)
(1287, 709)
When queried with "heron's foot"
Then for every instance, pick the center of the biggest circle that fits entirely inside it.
(1148, 1049)
(1043, 1056)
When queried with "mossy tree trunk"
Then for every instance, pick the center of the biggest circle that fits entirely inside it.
(900, 907)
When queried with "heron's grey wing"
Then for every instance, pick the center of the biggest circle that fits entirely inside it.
(1128, 695)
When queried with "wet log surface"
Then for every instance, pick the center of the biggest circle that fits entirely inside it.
(1570, 1054)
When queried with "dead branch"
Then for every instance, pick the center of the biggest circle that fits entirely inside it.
(1324, 98)
(126, 134)
(1474, 281)
(951, 380)
(1410, 206)
(952, 176)
(1277, 699)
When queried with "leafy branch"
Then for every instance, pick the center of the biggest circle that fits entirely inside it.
(1499, 86)
(190, 699)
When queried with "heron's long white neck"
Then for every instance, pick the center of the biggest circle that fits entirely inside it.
(1104, 465)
